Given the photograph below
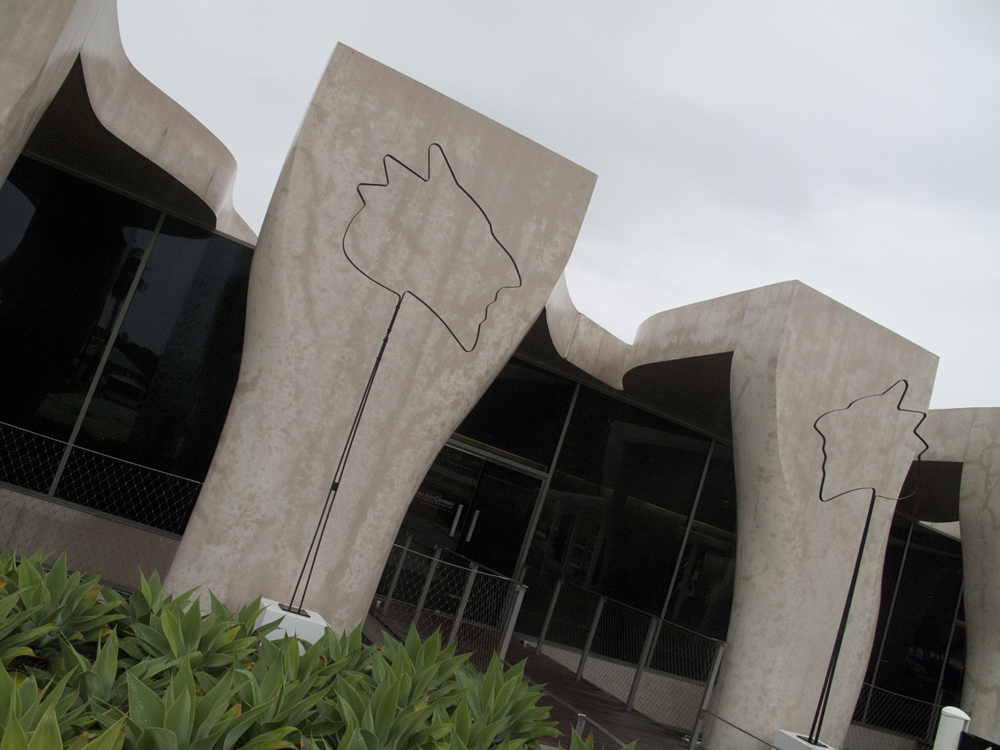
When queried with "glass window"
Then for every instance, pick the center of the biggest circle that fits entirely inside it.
(917, 640)
(163, 397)
(703, 594)
(619, 500)
(521, 414)
(68, 253)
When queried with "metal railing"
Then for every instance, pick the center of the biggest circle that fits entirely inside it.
(470, 604)
(94, 480)
(655, 667)
(884, 720)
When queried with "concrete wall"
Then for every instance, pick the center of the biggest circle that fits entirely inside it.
(800, 354)
(972, 436)
(92, 543)
(315, 324)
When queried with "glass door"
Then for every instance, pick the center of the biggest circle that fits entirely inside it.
(474, 507)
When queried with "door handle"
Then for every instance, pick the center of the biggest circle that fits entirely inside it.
(454, 524)
(472, 526)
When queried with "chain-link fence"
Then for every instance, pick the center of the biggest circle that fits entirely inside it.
(658, 668)
(110, 516)
(470, 604)
(884, 720)
(95, 480)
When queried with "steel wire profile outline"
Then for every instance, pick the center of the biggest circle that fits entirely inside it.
(824, 698)
(312, 553)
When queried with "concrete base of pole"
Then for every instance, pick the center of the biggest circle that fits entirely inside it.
(785, 740)
(307, 627)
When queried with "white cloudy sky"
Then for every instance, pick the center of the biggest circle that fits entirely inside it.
(851, 145)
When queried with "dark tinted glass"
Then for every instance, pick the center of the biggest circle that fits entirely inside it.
(890, 575)
(703, 594)
(165, 392)
(68, 253)
(624, 486)
(521, 414)
(917, 641)
(462, 503)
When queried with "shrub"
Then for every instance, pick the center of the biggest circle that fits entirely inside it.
(83, 668)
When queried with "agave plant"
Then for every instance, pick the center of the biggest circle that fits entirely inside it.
(49, 605)
(23, 704)
(214, 641)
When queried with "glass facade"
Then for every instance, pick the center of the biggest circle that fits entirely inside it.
(628, 505)
(920, 642)
(122, 331)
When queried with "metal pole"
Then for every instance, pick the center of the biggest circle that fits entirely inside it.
(427, 584)
(395, 576)
(947, 653)
(687, 531)
(99, 370)
(544, 489)
(720, 649)
(509, 630)
(647, 647)
(888, 621)
(581, 724)
(590, 637)
(824, 696)
(473, 569)
(548, 615)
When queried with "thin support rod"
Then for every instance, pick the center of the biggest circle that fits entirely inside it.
(432, 569)
(324, 516)
(108, 348)
(395, 576)
(647, 647)
(508, 631)
(720, 649)
(536, 512)
(590, 638)
(888, 622)
(463, 603)
(947, 651)
(548, 615)
(680, 553)
(824, 697)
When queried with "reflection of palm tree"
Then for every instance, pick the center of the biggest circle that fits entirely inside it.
(427, 238)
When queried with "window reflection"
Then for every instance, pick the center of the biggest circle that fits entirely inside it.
(163, 396)
(618, 503)
(916, 651)
(703, 594)
(520, 415)
(68, 253)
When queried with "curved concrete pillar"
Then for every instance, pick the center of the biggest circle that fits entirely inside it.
(798, 355)
(979, 513)
(316, 321)
(40, 42)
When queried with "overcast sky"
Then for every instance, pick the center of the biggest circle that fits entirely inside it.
(851, 145)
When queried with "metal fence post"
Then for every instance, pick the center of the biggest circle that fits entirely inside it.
(395, 576)
(641, 666)
(548, 615)
(473, 569)
(427, 584)
(590, 638)
(509, 630)
(720, 649)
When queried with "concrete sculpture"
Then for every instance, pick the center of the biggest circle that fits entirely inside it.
(972, 437)
(314, 327)
(795, 353)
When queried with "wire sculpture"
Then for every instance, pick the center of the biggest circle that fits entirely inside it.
(401, 289)
(818, 717)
